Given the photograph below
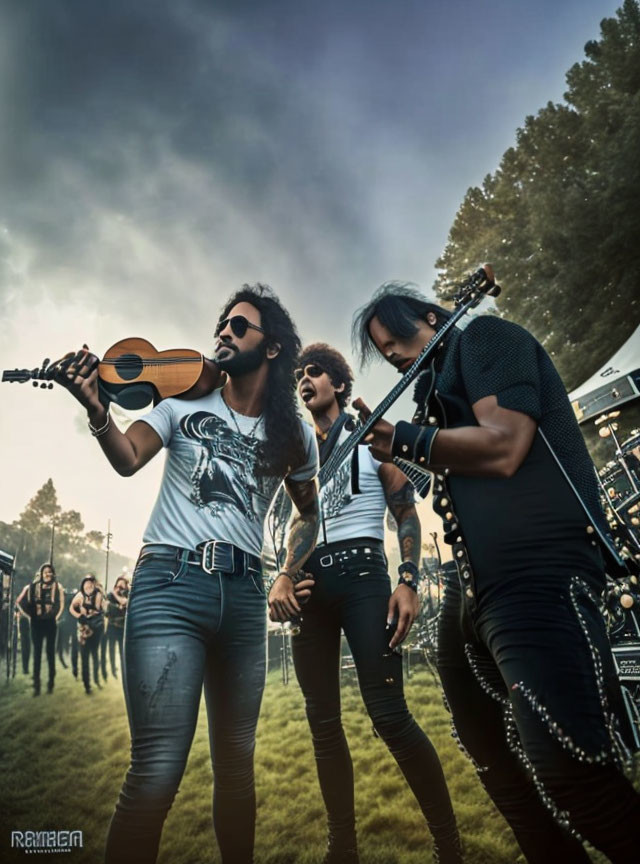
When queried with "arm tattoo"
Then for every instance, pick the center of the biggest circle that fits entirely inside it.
(409, 536)
(402, 497)
(402, 507)
(303, 532)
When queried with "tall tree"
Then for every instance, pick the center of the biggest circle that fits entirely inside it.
(41, 509)
(559, 218)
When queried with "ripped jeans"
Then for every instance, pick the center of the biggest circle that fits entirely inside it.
(351, 592)
(186, 628)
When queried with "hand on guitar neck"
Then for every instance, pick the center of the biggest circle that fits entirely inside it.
(78, 373)
(380, 438)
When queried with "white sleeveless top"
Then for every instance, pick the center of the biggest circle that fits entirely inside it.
(346, 516)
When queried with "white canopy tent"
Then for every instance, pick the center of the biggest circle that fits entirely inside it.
(617, 382)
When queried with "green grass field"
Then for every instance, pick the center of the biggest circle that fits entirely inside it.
(64, 756)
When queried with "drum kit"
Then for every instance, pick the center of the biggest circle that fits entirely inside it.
(619, 481)
(622, 614)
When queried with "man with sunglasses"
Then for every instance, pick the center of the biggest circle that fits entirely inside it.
(352, 593)
(197, 609)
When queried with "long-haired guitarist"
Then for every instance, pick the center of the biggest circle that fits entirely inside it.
(352, 593)
(522, 651)
(197, 608)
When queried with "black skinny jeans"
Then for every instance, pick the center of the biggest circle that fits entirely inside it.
(185, 628)
(531, 634)
(41, 631)
(115, 636)
(354, 595)
(89, 654)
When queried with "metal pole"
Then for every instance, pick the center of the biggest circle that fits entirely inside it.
(12, 625)
(106, 563)
(285, 658)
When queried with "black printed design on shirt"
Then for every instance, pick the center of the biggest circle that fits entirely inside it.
(224, 474)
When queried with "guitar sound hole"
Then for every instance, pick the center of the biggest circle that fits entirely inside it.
(129, 367)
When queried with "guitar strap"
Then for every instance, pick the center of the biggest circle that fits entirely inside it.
(325, 447)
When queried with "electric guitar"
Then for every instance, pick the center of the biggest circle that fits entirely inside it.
(468, 295)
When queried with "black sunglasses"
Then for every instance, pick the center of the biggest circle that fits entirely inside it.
(311, 370)
(239, 326)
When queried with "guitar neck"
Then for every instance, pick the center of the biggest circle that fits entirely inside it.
(340, 453)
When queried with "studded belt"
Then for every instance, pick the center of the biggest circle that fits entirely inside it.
(349, 550)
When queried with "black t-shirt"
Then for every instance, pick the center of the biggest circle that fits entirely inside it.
(532, 522)
(523, 525)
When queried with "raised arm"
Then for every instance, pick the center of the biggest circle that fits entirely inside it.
(127, 452)
(303, 533)
(496, 447)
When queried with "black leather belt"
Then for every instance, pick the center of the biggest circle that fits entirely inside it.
(211, 555)
(347, 550)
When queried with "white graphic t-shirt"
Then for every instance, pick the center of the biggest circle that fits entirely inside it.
(346, 516)
(209, 488)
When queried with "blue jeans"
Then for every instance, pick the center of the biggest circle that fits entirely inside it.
(186, 628)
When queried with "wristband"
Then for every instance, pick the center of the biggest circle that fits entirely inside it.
(413, 442)
(409, 575)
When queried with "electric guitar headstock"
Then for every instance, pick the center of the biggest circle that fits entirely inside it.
(476, 286)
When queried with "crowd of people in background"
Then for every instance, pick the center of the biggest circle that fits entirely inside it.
(81, 628)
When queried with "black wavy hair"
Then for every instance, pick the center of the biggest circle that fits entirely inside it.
(283, 449)
(41, 570)
(334, 365)
(396, 305)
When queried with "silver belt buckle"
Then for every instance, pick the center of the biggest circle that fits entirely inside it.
(326, 560)
(208, 562)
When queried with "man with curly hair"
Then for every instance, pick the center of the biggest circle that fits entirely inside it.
(352, 593)
(197, 608)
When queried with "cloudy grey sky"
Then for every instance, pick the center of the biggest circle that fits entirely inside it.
(155, 155)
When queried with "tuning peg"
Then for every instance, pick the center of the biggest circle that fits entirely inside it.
(43, 386)
(34, 383)
(50, 386)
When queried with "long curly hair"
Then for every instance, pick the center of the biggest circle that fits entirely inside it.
(283, 449)
(334, 365)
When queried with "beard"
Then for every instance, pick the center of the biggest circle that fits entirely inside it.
(241, 363)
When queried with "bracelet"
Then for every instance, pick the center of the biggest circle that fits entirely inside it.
(102, 430)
